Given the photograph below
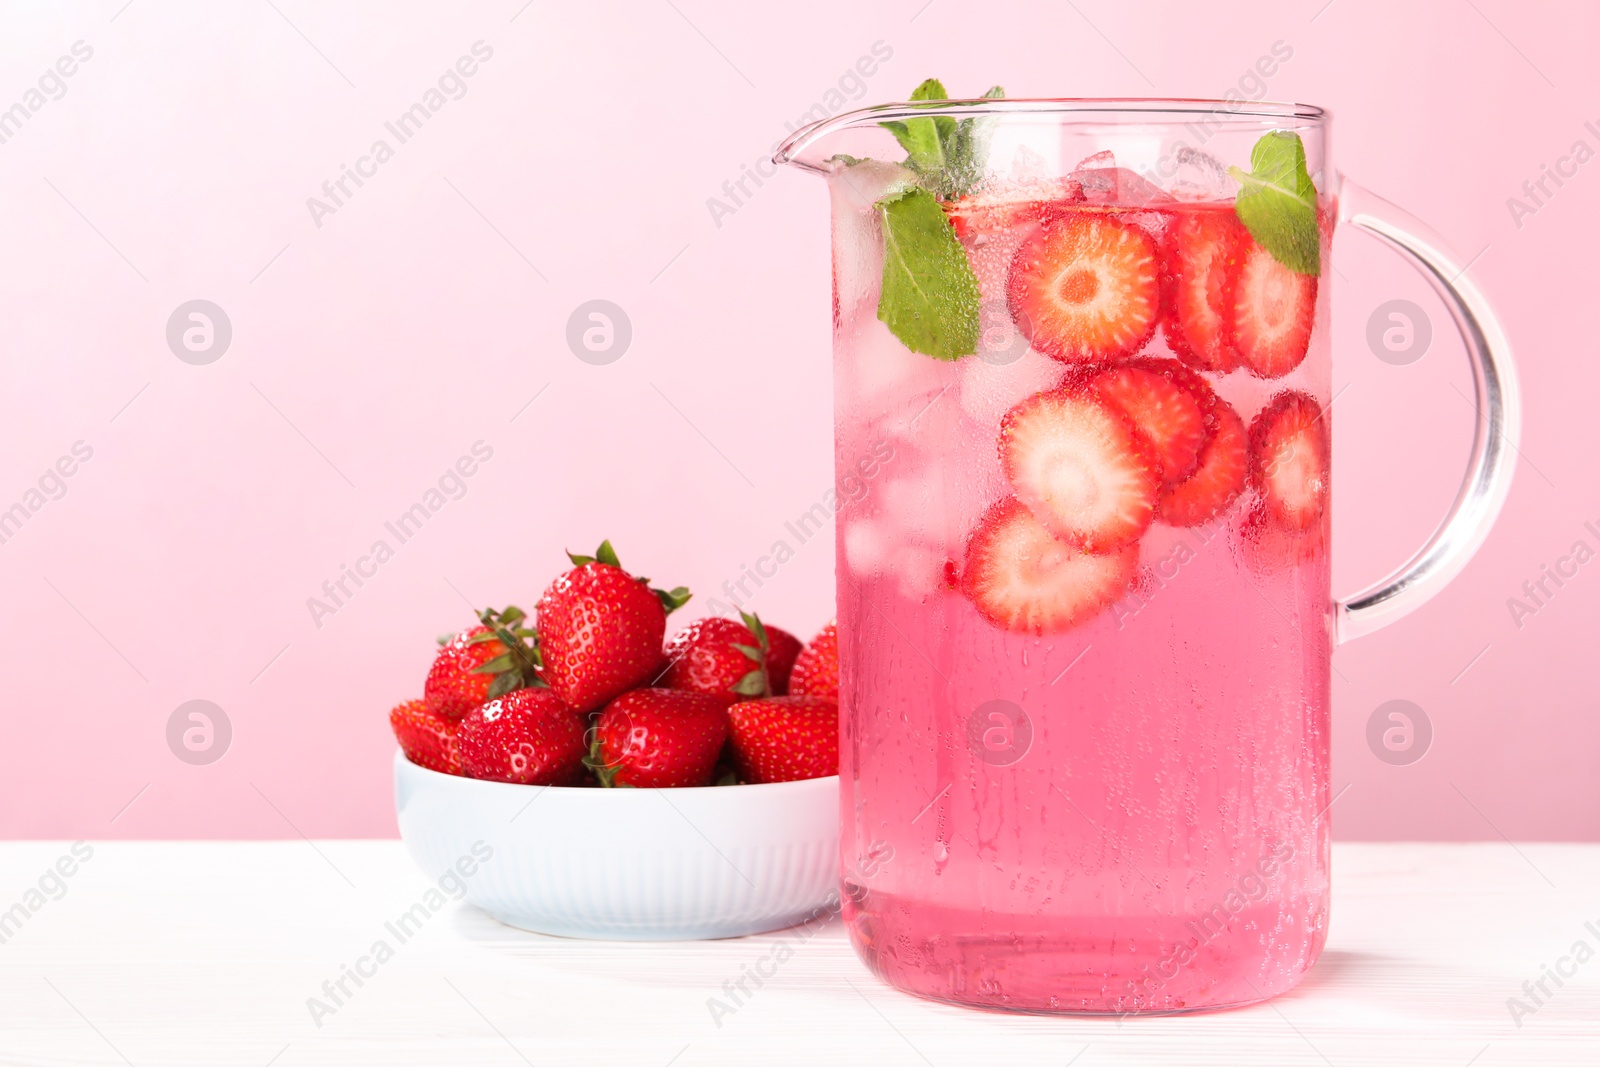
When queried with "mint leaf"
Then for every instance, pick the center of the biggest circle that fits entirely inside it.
(947, 155)
(929, 298)
(920, 139)
(971, 151)
(927, 141)
(944, 126)
(1278, 204)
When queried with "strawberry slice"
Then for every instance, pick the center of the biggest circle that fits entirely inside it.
(1081, 467)
(1085, 288)
(1219, 477)
(1267, 548)
(1021, 577)
(1273, 308)
(1167, 415)
(999, 209)
(1201, 264)
(1289, 459)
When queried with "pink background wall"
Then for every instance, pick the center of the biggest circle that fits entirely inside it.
(371, 351)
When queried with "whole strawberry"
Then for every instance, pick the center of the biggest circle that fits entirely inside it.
(816, 671)
(784, 739)
(454, 686)
(730, 660)
(527, 736)
(600, 629)
(426, 739)
(783, 648)
(658, 738)
(483, 662)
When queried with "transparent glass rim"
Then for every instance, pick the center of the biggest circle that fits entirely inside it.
(1241, 111)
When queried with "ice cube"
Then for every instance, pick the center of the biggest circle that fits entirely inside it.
(921, 572)
(881, 376)
(858, 232)
(1027, 165)
(857, 263)
(858, 187)
(936, 507)
(866, 547)
(939, 488)
(919, 507)
(1000, 342)
(1200, 176)
(906, 499)
(1105, 183)
(991, 388)
(926, 513)
(930, 426)
(990, 255)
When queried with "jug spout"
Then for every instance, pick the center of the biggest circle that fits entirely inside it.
(824, 146)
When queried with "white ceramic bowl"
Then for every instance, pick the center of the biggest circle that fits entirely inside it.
(626, 864)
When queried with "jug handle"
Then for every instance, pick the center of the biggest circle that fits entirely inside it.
(1496, 428)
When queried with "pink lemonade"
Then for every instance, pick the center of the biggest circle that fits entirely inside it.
(1084, 609)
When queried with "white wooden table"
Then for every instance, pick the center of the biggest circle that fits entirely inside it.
(207, 953)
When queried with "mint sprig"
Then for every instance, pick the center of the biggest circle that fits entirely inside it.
(948, 156)
(972, 144)
(929, 297)
(1277, 202)
(925, 140)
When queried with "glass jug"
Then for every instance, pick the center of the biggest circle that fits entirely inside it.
(1082, 371)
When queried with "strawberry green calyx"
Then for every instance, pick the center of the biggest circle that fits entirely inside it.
(605, 773)
(671, 599)
(758, 683)
(518, 666)
(604, 554)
